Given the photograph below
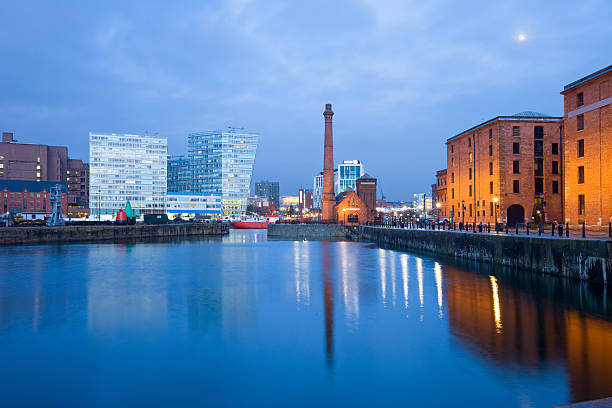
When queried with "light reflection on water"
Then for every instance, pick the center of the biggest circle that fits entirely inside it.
(241, 320)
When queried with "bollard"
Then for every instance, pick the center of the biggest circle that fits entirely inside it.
(552, 228)
(474, 227)
(610, 230)
(567, 229)
(517, 228)
(506, 228)
(527, 228)
(488, 227)
(584, 230)
(539, 229)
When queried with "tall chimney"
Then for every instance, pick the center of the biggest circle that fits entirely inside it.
(328, 198)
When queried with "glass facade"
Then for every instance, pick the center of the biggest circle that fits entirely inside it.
(179, 175)
(190, 203)
(222, 164)
(348, 173)
(127, 167)
(268, 190)
(317, 190)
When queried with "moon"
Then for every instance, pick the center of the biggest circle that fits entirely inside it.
(522, 37)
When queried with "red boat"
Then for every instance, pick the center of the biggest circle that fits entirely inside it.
(251, 224)
(257, 222)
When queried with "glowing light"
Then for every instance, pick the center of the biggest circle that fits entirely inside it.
(522, 37)
(438, 276)
(405, 275)
(419, 265)
(496, 308)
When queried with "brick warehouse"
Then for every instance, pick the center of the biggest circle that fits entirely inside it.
(17, 196)
(588, 149)
(507, 169)
(36, 162)
(439, 195)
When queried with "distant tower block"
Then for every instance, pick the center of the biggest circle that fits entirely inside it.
(328, 198)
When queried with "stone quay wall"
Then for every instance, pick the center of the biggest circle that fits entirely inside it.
(102, 233)
(319, 232)
(576, 258)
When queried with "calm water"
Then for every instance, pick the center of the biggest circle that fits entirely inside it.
(243, 321)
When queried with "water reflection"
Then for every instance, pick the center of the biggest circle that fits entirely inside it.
(240, 310)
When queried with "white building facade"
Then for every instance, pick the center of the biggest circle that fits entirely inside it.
(222, 164)
(127, 167)
(347, 174)
(192, 204)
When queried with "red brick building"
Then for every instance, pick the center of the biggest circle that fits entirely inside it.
(587, 149)
(506, 169)
(357, 207)
(439, 195)
(36, 162)
(18, 196)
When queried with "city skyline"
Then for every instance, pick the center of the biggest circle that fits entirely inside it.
(413, 74)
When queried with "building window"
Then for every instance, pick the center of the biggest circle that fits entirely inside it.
(491, 207)
(490, 150)
(470, 191)
(581, 148)
(490, 187)
(470, 157)
(555, 148)
(490, 133)
(515, 186)
(581, 204)
(490, 168)
(470, 173)
(515, 167)
(538, 132)
(555, 187)
(580, 122)
(452, 177)
(452, 193)
(470, 209)
(538, 148)
(469, 141)
(538, 167)
(515, 148)
(452, 148)
(515, 131)
(452, 162)
(579, 99)
(555, 167)
(539, 185)
(580, 174)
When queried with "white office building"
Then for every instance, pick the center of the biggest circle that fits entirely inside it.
(127, 167)
(222, 164)
(189, 205)
(347, 174)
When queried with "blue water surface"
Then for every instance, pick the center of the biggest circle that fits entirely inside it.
(246, 321)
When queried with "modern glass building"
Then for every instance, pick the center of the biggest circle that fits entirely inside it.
(127, 167)
(348, 173)
(317, 190)
(191, 204)
(222, 164)
(179, 175)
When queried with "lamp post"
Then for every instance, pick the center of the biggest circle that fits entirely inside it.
(438, 206)
(495, 200)
(463, 213)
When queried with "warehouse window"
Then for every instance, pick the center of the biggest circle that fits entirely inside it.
(555, 148)
(515, 186)
(580, 122)
(581, 148)
(515, 167)
(515, 131)
(516, 148)
(555, 187)
(581, 175)
(579, 99)
(581, 204)
(555, 167)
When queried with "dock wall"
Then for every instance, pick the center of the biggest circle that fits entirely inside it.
(584, 259)
(102, 233)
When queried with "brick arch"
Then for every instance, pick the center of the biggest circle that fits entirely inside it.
(515, 214)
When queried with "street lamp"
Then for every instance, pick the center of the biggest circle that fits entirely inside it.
(463, 213)
(438, 206)
(495, 200)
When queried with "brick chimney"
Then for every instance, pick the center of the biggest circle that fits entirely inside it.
(7, 137)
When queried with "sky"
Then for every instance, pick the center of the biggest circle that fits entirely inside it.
(402, 75)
